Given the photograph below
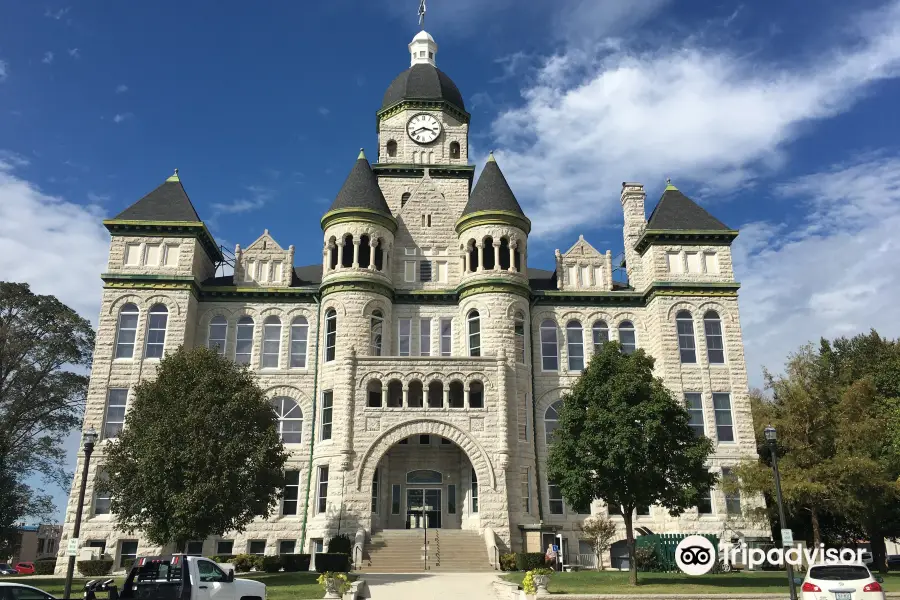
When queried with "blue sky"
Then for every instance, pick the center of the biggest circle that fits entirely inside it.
(781, 120)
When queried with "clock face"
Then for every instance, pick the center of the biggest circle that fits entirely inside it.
(423, 128)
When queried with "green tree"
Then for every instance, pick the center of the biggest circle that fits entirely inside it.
(599, 532)
(45, 349)
(624, 438)
(200, 453)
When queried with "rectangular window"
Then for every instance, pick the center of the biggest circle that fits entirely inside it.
(643, 511)
(451, 499)
(322, 490)
(409, 271)
(425, 337)
(404, 331)
(673, 262)
(556, 499)
(194, 548)
(327, 409)
(276, 271)
(395, 499)
(257, 547)
(446, 337)
(287, 546)
(225, 547)
(425, 440)
(585, 276)
(526, 490)
(127, 551)
(299, 335)
(686, 346)
(693, 262)
(724, 421)
(133, 255)
(152, 254)
(572, 276)
(171, 259)
(116, 399)
(271, 347)
(711, 262)
(250, 270)
(732, 497)
(425, 270)
(218, 333)
(715, 348)
(263, 271)
(291, 492)
(523, 417)
(549, 358)
(101, 493)
(598, 276)
(441, 271)
(375, 492)
(474, 492)
(519, 347)
(704, 504)
(317, 545)
(694, 403)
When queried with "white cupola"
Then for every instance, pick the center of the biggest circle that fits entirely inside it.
(422, 49)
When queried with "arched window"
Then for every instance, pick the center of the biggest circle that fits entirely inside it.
(685, 324)
(454, 149)
(374, 392)
(217, 334)
(519, 331)
(299, 336)
(395, 393)
(391, 148)
(551, 420)
(156, 331)
(271, 348)
(330, 334)
(127, 330)
(504, 254)
(243, 347)
(626, 337)
(517, 257)
(457, 394)
(487, 253)
(378, 255)
(290, 419)
(549, 346)
(332, 253)
(715, 347)
(347, 256)
(365, 251)
(600, 333)
(436, 394)
(473, 256)
(575, 345)
(404, 199)
(377, 332)
(414, 394)
(476, 394)
(474, 334)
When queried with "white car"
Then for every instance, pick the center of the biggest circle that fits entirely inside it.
(17, 591)
(842, 581)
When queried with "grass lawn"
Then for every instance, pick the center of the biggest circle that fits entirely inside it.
(615, 582)
(279, 586)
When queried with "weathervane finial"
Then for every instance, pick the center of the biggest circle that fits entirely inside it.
(422, 14)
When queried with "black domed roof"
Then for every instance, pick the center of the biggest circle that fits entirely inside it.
(422, 82)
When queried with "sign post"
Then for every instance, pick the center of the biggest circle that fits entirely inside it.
(787, 538)
(72, 549)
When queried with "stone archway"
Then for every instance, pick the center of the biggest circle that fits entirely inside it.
(472, 449)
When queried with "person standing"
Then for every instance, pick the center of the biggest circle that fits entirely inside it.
(550, 556)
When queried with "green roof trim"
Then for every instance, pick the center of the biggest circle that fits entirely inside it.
(169, 228)
(417, 171)
(712, 237)
(358, 215)
(420, 104)
(493, 217)
(493, 285)
(356, 285)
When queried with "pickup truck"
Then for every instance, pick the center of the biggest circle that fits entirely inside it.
(178, 577)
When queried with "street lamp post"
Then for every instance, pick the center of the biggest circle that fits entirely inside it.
(772, 441)
(89, 438)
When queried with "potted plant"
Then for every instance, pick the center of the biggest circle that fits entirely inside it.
(536, 581)
(334, 584)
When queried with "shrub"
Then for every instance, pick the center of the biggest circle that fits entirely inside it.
(295, 562)
(127, 564)
(340, 544)
(646, 559)
(222, 558)
(508, 562)
(526, 561)
(332, 561)
(271, 564)
(94, 568)
(243, 562)
(45, 566)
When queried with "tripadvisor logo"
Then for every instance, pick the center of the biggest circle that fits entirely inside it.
(696, 555)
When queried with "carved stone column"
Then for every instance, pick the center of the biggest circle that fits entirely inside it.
(496, 255)
(480, 247)
(356, 253)
(512, 255)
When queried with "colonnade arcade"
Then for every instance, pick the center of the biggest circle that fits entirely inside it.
(490, 254)
(362, 252)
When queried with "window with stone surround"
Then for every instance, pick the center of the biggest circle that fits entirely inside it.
(322, 490)
(715, 347)
(549, 346)
(243, 348)
(575, 345)
(374, 507)
(687, 347)
(156, 331)
(395, 393)
(102, 496)
(299, 337)
(271, 347)
(327, 410)
(127, 551)
(373, 389)
(525, 489)
(454, 150)
(627, 337)
(377, 332)
(217, 334)
(555, 496)
(404, 337)
(415, 394)
(704, 503)
(519, 332)
(732, 494)
(425, 269)
(225, 547)
(474, 321)
(291, 493)
(522, 403)
(476, 394)
(446, 337)
(600, 334)
(457, 394)
(114, 421)
(724, 419)
(474, 491)
(287, 546)
(290, 419)
(551, 420)
(391, 148)
(127, 330)
(694, 402)
(425, 337)
(256, 547)
(330, 334)
(436, 394)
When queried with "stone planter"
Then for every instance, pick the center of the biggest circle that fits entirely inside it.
(331, 588)
(541, 582)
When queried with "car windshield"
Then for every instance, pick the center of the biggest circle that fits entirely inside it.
(839, 573)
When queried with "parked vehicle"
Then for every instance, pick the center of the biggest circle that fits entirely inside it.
(840, 582)
(17, 591)
(893, 562)
(25, 568)
(6, 569)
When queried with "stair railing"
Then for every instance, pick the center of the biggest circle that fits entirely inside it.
(437, 542)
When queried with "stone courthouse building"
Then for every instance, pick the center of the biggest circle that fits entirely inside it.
(417, 369)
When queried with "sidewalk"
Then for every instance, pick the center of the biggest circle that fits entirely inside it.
(430, 586)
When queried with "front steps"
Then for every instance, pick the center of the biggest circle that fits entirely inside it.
(403, 551)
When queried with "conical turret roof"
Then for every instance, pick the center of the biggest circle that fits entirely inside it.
(360, 189)
(675, 211)
(168, 202)
(492, 192)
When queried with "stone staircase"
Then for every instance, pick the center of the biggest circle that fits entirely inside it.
(403, 551)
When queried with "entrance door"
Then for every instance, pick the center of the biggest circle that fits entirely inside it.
(422, 504)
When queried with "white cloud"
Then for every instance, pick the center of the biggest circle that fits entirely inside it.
(258, 197)
(48, 58)
(594, 118)
(10, 160)
(324, 111)
(56, 246)
(4, 70)
(122, 117)
(121, 88)
(74, 53)
(834, 273)
(58, 14)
